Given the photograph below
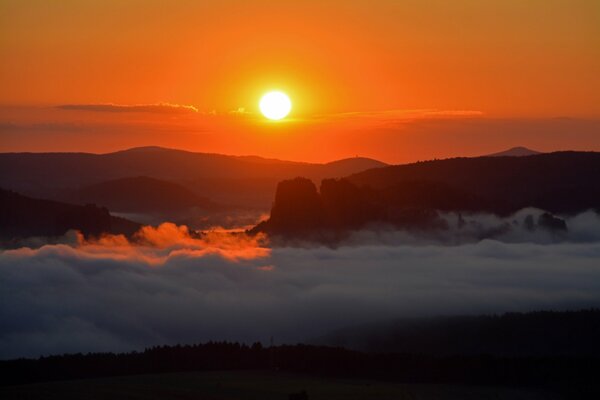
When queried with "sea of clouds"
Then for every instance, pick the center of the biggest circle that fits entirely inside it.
(168, 286)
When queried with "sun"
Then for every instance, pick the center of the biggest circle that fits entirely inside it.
(275, 105)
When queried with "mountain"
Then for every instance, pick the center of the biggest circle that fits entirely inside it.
(247, 181)
(515, 152)
(560, 182)
(22, 217)
(339, 168)
(410, 196)
(141, 194)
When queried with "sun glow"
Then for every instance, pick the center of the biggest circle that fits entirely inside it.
(275, 105)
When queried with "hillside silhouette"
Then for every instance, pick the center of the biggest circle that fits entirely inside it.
(555, 367)
(532, 334)
(561, 182)
(22, 217)
(247, 181)
(410, 196)
(142, 194)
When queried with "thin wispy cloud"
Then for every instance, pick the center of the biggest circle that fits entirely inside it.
(167, 108)
(401, 114)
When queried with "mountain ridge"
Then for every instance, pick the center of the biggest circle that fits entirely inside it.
(222, 178)
(410, 196)
(23, 216)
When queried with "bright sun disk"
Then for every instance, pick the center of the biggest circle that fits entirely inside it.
(275, 105)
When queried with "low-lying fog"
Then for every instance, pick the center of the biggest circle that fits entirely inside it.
(167, 286)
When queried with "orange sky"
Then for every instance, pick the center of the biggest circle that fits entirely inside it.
(395, 80)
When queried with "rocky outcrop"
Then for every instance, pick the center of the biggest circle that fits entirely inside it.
(300, 211)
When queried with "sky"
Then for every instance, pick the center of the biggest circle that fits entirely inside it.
(395, 80)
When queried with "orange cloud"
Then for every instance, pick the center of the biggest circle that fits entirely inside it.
(156, 245)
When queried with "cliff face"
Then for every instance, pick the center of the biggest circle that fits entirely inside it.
(410, 196)
(299, 210)
(345, 206)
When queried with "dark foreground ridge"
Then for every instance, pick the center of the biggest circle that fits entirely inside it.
(567, 365)
(570, 374)
(533, 334)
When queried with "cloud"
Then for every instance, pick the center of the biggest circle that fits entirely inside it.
(160, 108)
(401, 114)
(240, 111)
(472, 228)
(156, 245)
(166, 286)
(453, 113)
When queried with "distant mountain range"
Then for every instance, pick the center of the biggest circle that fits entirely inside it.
(410, 196)
(236, 180)
(185, 187)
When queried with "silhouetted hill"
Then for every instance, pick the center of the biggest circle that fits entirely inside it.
(22, 216)
(555, 367)
(562, 182)
(410, 196)
(515, 152)
(339, 168)
(141, 194)
(544, 333)
(222, 178)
